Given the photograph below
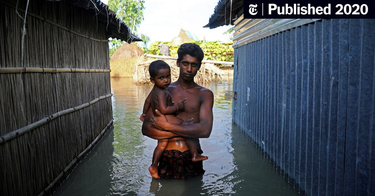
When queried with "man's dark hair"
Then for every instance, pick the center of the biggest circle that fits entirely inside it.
(191, 49)
(157, 65)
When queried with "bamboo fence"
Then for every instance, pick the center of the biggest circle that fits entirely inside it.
(206, 74)
(56, 97)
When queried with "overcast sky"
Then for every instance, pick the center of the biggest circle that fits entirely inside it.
(163, 19)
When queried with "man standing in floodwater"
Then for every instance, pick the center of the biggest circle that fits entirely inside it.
(175, 161)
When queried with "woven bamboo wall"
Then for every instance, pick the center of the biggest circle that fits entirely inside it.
(55, 100)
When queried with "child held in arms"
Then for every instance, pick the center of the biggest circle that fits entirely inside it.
(160, 99)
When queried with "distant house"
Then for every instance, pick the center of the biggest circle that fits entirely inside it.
(183, 36)
(304, 91)
(56, 96)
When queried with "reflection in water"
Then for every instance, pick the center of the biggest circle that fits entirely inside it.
(93, 174)
(119, 164)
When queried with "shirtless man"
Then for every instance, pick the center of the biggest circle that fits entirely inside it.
(160, 99)
(175, 161)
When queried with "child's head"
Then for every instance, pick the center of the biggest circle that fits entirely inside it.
(160, 73)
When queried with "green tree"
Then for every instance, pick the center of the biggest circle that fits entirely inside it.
(230, 32)
(145, 40)
(131, 13)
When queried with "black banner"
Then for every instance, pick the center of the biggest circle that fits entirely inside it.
(326, 9)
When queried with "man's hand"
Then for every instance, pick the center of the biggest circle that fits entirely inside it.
(142, 117)
(159, 121)
(188, 121)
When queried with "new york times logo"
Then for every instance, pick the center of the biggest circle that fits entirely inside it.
(253, 9)
(330, 9)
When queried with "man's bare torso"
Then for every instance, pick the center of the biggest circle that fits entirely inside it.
(194, 98)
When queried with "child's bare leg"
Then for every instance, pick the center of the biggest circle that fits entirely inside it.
(173, 119)
(194, 151)
(153, 169)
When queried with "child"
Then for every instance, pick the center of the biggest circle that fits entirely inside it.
(160, 99)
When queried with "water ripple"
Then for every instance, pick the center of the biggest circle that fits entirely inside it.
(120, 164)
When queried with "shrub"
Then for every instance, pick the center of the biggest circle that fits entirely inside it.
(214, 50)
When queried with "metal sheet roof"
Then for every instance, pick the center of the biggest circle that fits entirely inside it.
(247, 30)
(225, 13)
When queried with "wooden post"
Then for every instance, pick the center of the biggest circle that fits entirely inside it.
(204, 74)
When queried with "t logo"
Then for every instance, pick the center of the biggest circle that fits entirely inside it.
(253, 9)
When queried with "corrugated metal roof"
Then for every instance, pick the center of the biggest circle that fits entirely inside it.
(225, 13)
(230, 12)
(115, 27)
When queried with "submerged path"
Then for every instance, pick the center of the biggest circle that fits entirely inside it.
(118, 164)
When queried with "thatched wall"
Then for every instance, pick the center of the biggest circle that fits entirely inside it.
(56, 97)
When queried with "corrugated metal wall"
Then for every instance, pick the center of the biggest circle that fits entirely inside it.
(306, 97)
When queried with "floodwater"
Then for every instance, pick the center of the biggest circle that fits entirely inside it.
(118, 165)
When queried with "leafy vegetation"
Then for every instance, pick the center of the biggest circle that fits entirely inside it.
(131, 12)
(214, 50)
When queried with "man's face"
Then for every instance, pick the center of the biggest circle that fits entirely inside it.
(189, 67)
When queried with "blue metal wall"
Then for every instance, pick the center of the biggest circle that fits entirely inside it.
(306, 96)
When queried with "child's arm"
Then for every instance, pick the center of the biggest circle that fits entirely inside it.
(164, 108)
(146, 106)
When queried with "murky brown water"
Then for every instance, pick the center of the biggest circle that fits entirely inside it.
(118, 165)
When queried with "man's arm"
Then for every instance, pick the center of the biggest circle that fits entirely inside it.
(201, 129)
